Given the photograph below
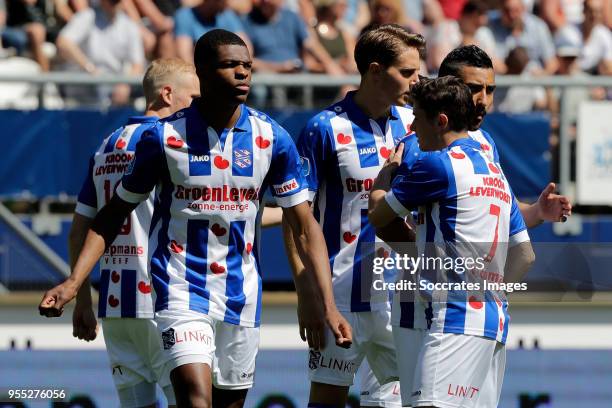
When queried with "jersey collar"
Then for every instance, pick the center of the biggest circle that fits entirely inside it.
(142, 119)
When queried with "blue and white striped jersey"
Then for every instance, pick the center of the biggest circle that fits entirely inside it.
(125, 287)
(344, 150)
(203, 253)
(463, 201)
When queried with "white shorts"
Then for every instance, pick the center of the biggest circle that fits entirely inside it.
(408, 344)
(457, 370)
(192, 337)
(375, 395)
(136, 360)
(372, 339)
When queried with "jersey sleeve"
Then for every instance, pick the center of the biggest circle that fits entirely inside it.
(87, 201)
(518, 228)
(313, 146)
(144, 171)
(425, 182)
(286, 176)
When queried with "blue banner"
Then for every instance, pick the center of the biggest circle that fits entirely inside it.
(46, 152)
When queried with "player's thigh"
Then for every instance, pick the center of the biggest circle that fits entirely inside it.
(235, 353)
(408, 343)
(188, 347)
(375, 395)
(491, 389)
(133, 377)
(451, 370)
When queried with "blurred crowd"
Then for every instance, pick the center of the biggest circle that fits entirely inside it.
(524, 37)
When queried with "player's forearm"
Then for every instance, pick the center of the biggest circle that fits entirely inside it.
(78, 234)
(399, 236)
(518, 262)
(311, 248)
(104, 229)
(530, 214)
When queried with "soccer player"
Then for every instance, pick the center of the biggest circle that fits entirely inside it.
(475, 68)
(344, 148)
(125, 303)
(462, 355)
(211, 164)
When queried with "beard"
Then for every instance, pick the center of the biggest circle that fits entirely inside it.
(480, 111)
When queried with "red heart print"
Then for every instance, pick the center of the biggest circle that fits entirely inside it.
(382, 253)
(249, 248)
(221, 163)
(174, 142)
(343, 139)
(113, 301)
(385, 153)
(120, 144)
(176, 247)
(457, 155)
(348, 237)
(216, 268)
(475, 303)
(261, 142)
(485, 147)
(115, 277)
(493, 168)
(144, 288)
(218, 230)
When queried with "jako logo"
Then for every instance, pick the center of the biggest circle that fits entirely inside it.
(198, 159)
(367, 150)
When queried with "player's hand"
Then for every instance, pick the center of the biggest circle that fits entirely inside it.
(553, 207)
(395, 158)
(84, 323)
(52, 304)
(311, 319)
(340, 327)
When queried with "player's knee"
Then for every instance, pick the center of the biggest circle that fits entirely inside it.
(327, 395)
(229, 398)
(191, 388)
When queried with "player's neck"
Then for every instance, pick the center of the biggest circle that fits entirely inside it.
(449, 137)
(369, 104)
(218, 116)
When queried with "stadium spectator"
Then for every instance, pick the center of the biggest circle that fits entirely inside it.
(385, 12)
(102, 40)
(25, 28)
(514, 28)
(281, 41)
(596, 55)
(471, 28)
(520, 99)
(338, 43)
(190, 23)
(558, 13)
(156, 27)
(569, 47)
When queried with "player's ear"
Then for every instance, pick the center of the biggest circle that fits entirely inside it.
(442, 120)
(374, 68)
(166, 94)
